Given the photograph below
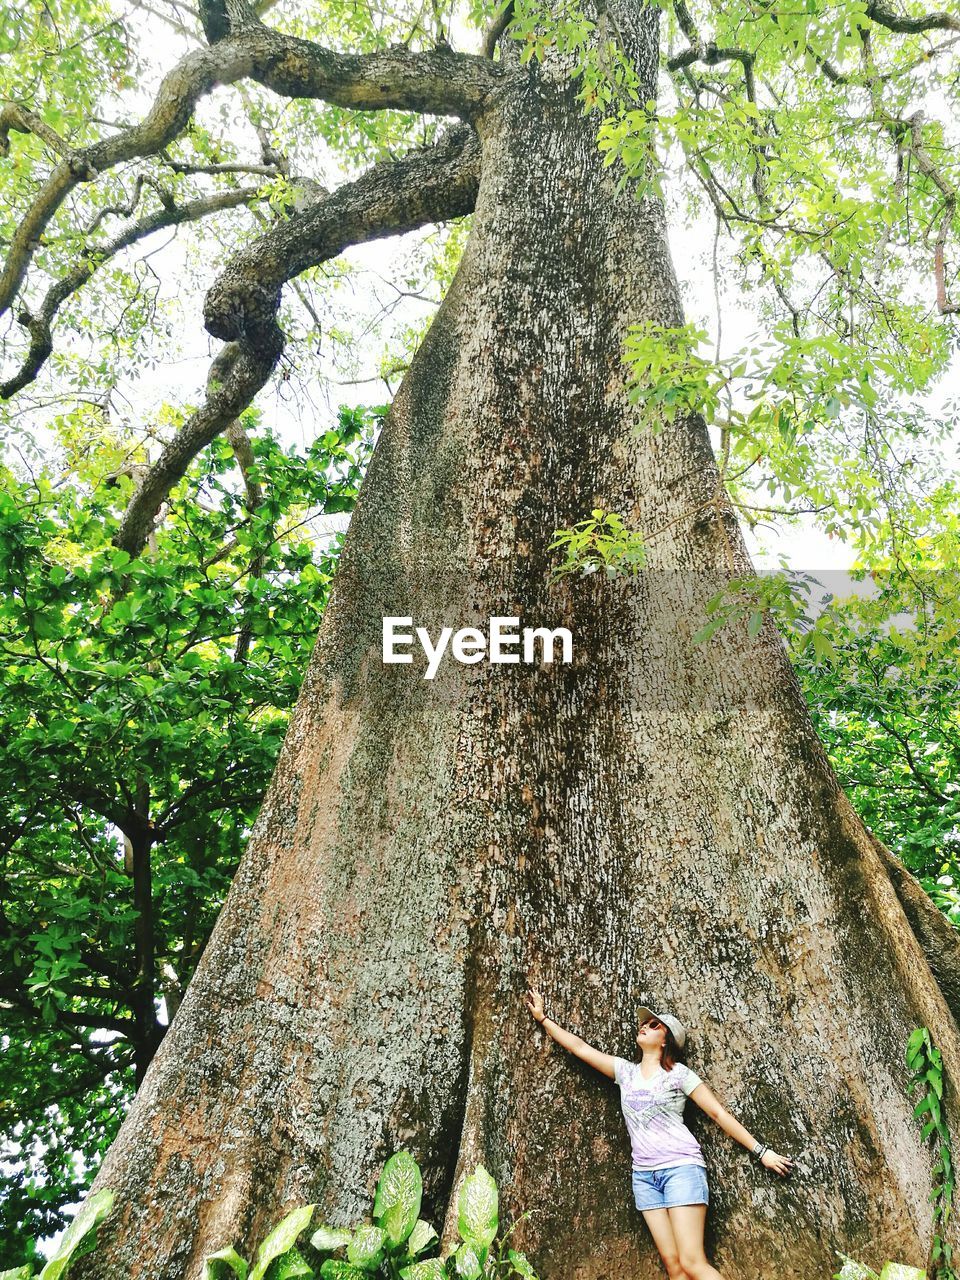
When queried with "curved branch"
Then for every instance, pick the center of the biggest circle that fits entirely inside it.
(39, 325)
(431, 184)
(885, 17)
(127, 210)
(438, 81)
(16, 119)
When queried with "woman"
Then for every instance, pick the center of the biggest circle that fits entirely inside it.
(669, 1173)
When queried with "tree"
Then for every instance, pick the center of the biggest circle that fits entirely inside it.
(658, 817)
(142, 710)
(886, 709)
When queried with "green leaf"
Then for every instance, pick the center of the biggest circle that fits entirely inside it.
(367, 1247)
(397, 1201)
(326, 1239)
(281, 1239)
(427, 1269)
(420, 1238)
(337, 1269)
(853, 1270)
(17, 1273)
(91, 1213)
(915, 1041)
(216, 1264)
(521, 1265)
(289, 1266)
(477, 1218)
(466, 1264)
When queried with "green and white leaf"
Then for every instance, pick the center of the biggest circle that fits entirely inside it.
(399, 1193)
(427, 1269)
(366, 1249)
(92, 1212)
(478, 1219)
(281, 1239)
(337, 1269)
(466, 1264)
(291, 1265)
(326, 1239)
(521, 1265)
(420, 1238)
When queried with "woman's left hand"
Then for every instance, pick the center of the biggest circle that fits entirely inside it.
(779, 1164)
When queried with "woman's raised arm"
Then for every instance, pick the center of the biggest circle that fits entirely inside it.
(708, 1101)
(566, 1039)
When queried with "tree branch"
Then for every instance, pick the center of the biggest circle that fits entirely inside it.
(15, 119)
(39, 325)
(885, 17)
(438, 81)
(428, 185)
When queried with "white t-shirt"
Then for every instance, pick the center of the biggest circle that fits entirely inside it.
(653, 1110)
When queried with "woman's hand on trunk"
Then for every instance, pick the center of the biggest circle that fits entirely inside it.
(534, 1002)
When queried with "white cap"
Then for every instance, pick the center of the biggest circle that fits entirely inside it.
(676, 1026)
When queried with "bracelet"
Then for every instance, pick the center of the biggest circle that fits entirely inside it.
(541, 1021)
(759, 1151)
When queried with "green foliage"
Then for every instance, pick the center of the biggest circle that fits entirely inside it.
(396, 1207)
(144, 699)
(851, 1270)
(79, 1239)
(782, 595)
(798, 129)
(601, 542)
(391, 1247)
(884, 702)
(927, 1079)
(927, 1082)
(808, 425)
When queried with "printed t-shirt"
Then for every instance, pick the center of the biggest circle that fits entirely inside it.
(653, 1110)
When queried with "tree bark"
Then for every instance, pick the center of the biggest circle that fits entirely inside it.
(657, 820)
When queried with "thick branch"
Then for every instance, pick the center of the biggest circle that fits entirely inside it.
(15, 119)
(39, 325)
(438, 81)
(428, 185)
(885, 17)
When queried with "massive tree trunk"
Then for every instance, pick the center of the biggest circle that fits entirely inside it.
(656, 819)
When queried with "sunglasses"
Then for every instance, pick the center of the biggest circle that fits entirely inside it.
(654, 1024)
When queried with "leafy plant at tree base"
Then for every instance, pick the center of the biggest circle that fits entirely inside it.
(926, 1064)
(852, 1270)
(397, 1245)
(79, 1239)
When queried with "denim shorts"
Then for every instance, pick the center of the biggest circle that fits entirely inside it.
(668, 1188)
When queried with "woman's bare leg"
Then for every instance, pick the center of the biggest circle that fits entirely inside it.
(687, 1222)
(658, 1220)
